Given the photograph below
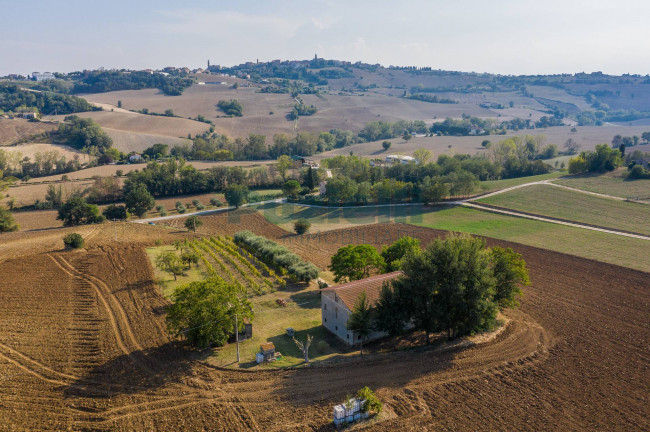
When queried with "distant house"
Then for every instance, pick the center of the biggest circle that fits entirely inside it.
(28, 115)
(37, 76)
(391, 159)
(135, 158)
(337, 303)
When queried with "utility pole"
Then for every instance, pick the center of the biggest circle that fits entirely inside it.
(237, 337)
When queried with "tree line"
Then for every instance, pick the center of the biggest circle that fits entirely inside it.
(14, 99)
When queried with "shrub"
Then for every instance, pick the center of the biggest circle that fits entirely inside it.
(73, 241)
(386, 145)
(216, 202)
(301, 226)
(275, 254)
(372, 403)
(115, 212)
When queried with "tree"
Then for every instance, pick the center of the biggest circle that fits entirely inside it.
(7, 222)
(354, 262)
(138, 200)
(386, 145)
(115, 212)
(433, 190)
(486, 144)
(390, 316)
(372, 403)
(236, 195)
(76, 211)
(422, 155)
(510, 272)
(170, 262)
(304, 348)
(192, 223)
(394, 253)
(190, 257)
(449, 286)
(283, 164)
(73, 241)
(407, 136)
(360, 321)
(301, 226)
(645, 136)
(340, 189)
(54, 195)
(291, 189)
(571, 146)
(204, 312)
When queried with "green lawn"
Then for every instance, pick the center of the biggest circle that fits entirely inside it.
(561, 203)
(166, 280)
(302, 313)
(610, 248)
(609, 184)
(494, 185)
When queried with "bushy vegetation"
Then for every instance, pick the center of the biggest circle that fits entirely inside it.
(7, 223)
(100, 81)
(83, 134)
(455, 285)
(431, 99)
(73, 241)
(232, 107)
(301, 109)
(15, 100)
(274, 254)
(42, 164)
(204, 312)
(603, 158)
(76, 211)
(301, 226)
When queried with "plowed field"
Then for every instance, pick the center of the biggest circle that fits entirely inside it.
(83, 347)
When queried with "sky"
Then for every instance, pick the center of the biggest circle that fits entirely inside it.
(498, 36)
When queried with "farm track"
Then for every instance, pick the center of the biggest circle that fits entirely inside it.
(575, 357)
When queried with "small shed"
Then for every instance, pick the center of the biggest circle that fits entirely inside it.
(267, 352)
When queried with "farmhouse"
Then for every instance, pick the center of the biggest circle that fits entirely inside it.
(390, 159)
(337, 303)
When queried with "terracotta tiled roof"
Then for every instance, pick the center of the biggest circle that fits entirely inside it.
(348, 293)
(267, 346)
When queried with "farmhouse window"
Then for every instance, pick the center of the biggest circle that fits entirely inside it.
(336, 327)
(325, 319)
(336, 312)
(325, 306)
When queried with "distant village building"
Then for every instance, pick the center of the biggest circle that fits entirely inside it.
(37, 76)
(135, 158)
(337, 303)
(391, 159)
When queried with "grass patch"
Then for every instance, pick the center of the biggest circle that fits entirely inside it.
(494, 185)
(609, 248)
(166, 280)
(302, 313)
(613, 183)
(561, 203)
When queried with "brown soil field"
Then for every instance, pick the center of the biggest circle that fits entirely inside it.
(12, 130)
(83, 346)
(587, 137)
(128, 142)
(29, 150)
(145, 124)
(335, 111)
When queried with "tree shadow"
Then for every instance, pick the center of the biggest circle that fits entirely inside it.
(307, 300)
(137, 372)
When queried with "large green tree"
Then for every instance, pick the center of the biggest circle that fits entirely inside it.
(76, 211)
(138, 200)
(390, 315)
(340, 189)
(394, 253)
(283, 164)
(510, 273)
(236, 195)
(450, 286)
(354, 262)
(204, 312)
(170, 262)
(360, 321)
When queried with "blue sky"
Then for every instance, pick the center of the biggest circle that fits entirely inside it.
(498, 36)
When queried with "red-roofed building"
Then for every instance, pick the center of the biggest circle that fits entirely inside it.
(338, 301)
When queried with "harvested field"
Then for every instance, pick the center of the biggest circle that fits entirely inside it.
(587, 137)
(127, 142)
(12, 130)
(29, 150)
(27, 194)
(83, 347)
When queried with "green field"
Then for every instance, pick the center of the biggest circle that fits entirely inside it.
(166, 280)
(561, 203)
(495, 185)
(609, 184)
(610, 248)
